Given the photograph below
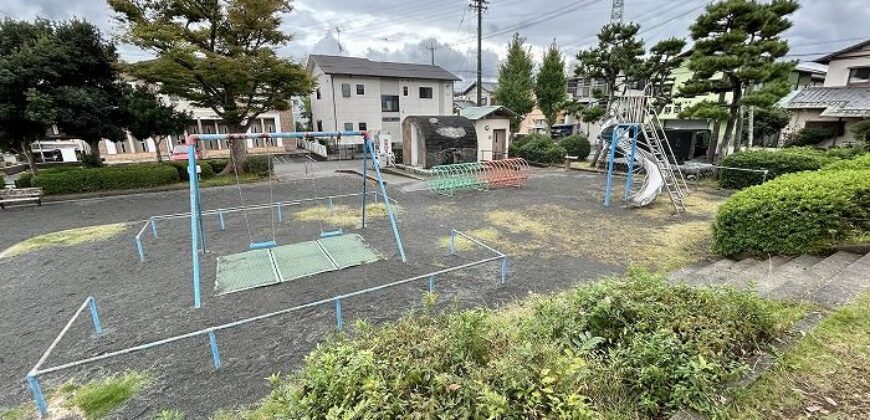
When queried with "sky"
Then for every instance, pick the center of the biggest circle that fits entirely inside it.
(405, 30)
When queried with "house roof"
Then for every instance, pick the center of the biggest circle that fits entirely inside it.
(811, 67)
(836, 101)
(356, 66)
(827, 59)
(478, 112)
(461, 103)
(487, 86)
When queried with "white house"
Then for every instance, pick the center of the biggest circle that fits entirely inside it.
(469, 94)
(492, 124)
(843, 101)
(360, 94)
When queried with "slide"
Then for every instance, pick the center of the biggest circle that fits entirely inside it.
(654, 181)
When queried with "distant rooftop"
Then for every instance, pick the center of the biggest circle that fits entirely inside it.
(356, 66)
(478, 112)
(827, 59)
(836, 101)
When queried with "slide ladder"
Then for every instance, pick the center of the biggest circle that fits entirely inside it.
(662, 153)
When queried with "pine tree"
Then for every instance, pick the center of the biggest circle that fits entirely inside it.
(614, 59)
(515, 88)
(736, 50)
(551, 84)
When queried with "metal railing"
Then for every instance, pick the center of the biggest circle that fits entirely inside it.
(32, 377)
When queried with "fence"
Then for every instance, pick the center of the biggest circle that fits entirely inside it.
(314, 147)
(32, 377)
(697, 171)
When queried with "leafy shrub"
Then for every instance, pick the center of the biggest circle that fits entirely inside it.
(577, 145)
(845, 152)
(25, 180)
(217, 165)
(124, 177)
(540, 148)
(798, 213)
(809, 136)
(776, 162)
(258, 164)
(861, 162)
(637, 344)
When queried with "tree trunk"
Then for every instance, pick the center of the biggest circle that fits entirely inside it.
(238, 152)
(738, 136)
(714, 139)
(28, 154)
(733, 114)
(157, 142)
(95, 159)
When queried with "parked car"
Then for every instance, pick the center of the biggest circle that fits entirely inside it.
(564, 130)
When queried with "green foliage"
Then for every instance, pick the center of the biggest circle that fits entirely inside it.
(860, 162)
(206, 169)
(97, 399)
(848, 152)
(551, 84)
(258, 164)
(768, 123)
(515, 89)
(638, 344)
(577, 145)
(122, 177)
(593, 113)
(616, 56)
(861, 129)
(148, 116)
(776, 162)
(664, 58)
(807, 212)
(170, 415)
(217, 165)
(538, 148)
(25, 180)
(809, 136)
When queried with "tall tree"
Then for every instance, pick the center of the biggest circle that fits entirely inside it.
(149, 117)
(219, 54)
(516, 84)
(664, 57)
(551, 85)
(736, 51)
(22, 68)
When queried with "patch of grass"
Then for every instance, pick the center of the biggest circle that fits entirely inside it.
(827, 374)
(342, 215)
(65, 238)
(170, 415)
(487, 235)
(98, 398)
(219, 181)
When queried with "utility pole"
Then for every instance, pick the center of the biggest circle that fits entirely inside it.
(338, 38)
(431, 49)
(479, 6)
(616, 11)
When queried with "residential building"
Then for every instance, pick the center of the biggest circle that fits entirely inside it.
(360, 94)
(492, 124)
(487, 90)
(841, 102)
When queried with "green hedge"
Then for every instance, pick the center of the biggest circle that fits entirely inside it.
(538, 148)
(577, 145)
(777, 162)
(25, 180)
(120, 177)
(809, 212)
(207, 171)
(217, 165)
(638, 348)
(861, 162)
(258, 164)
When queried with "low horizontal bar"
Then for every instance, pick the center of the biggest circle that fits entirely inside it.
(477, 241)
(289, 135)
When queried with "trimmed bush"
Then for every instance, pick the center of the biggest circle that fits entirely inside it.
(809, 136)
(809, 212)
(776, 162)
(638, 347)
(845, 152)
(577, 145)
(539, 148)
(861, 162)
(124, 177)
(258, 164)
(217, 165)
(25, 180)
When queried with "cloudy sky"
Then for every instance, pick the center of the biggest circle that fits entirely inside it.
(403, 30)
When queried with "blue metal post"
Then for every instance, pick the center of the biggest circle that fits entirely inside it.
(215, 354)
(38, 398)
(367, 145)
(631, 162)
(365, 184)
(504, 269)
(452, 242)
(610, 160)
(199, 223)
(221, 216)
(330, 209)
(139, 248)
(95, 316)
(280, 214)
(339, 322)
(194, 221)
(431, 283)
(153, 227)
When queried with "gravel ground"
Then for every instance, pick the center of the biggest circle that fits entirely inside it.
(141, 302)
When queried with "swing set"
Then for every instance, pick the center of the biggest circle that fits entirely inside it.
(330, 242)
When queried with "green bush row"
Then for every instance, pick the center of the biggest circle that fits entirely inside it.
(779, 162)
(637, 347)
(538, 148)
(861, 162)
(808, 212)
(258, 164)
(577, 145)
(122, 177)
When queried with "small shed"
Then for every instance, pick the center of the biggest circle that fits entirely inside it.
(493, 127)
(429, 141)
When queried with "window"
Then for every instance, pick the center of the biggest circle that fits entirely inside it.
(318, 93)
(483, 101)
(345, 90)
(363, 127)
(425, 92)
(404, 91)
(390, 119)
(360, 89)
(668, 109)
(348, 126)
(678, 108)
(859, 76)
(319, 125)
(389, 103)
(269, 125)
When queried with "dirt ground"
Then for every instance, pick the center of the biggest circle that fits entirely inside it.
(555, 228)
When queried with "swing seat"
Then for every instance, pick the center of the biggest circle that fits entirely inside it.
(331, 233)
(263, 245)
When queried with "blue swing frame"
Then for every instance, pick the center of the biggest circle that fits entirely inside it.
(197, 233)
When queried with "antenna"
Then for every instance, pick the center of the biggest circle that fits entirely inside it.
(432, 49)
(338, 37)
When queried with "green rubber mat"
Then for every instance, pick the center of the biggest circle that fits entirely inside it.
(244, 271)
(301, 260)
(265, 267)
(349, 250)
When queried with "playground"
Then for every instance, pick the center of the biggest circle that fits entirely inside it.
(554, 230)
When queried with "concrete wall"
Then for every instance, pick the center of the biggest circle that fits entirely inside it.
(838, 69)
